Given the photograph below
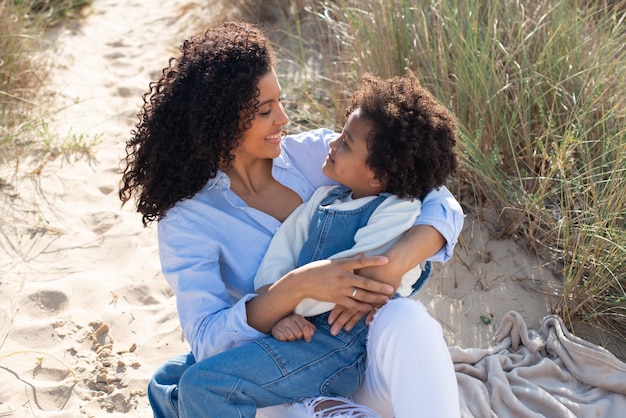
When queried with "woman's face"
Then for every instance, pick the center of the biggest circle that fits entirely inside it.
(346, 159)
(262, 139)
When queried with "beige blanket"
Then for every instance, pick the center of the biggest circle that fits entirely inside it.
(539, 373)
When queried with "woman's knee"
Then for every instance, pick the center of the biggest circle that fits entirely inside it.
(188, 380)
(170, 372)
(163, 386)
(403, 317)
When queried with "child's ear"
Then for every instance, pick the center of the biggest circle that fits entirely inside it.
(376, 182)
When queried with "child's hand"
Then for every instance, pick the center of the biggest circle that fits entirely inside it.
(293, 327)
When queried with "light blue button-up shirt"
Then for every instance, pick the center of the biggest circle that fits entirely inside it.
(211, 245)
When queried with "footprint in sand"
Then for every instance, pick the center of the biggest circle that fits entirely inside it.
(41, 308)
(124, 67)
(44, 301)
(101, 222)
(139, 295)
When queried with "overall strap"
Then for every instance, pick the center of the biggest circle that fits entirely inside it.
(331, 230)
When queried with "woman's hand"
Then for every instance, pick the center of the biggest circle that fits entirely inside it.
(342, 317)
(419, 243)
(324, 280)
(338, 281)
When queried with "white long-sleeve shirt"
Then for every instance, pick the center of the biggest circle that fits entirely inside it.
(388, 222)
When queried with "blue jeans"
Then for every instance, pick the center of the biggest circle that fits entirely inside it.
(270, 372)
(263, 373)
(163, 387)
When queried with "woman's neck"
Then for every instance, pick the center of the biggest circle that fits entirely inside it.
(250, 178)
(256, 186)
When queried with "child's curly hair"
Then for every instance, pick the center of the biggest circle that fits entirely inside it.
(194, 116)
(411, 143)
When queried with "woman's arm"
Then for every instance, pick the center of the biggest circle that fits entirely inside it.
(326, 280)
(417, 245)
(212, 281)
(434, 236)
(442, 211)
(391, 219)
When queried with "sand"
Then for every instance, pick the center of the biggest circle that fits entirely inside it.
(85, 314)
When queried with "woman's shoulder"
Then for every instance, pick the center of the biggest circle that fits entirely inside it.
(316, 138)
(304, 154)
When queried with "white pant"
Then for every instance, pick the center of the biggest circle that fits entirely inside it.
(409, 371)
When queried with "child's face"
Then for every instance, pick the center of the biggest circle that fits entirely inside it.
(345, 162)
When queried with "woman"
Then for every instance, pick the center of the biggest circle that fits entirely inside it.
(208, 162)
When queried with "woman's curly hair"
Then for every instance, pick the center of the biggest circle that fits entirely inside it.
(194, 116)
(411, 143)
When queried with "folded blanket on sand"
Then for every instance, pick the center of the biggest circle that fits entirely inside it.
(539, 373)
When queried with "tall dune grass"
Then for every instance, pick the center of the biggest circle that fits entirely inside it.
(23, 68)
(18, 78)
(539, 88)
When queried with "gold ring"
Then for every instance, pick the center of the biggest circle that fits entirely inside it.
(353, 293)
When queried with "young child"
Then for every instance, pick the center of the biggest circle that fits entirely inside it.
(396, 146)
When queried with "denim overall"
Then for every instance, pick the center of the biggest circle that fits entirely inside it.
(331, 231)
(270, 372)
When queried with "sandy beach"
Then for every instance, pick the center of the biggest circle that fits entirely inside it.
(85, 314)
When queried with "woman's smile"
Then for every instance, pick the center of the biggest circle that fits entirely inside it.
(275, 138)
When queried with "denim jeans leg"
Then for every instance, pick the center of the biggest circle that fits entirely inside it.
(163, 387)
(269, 372)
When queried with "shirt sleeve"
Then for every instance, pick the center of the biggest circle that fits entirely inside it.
(190, 264)
(443, 212)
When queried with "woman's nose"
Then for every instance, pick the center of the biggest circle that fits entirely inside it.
(283, 119)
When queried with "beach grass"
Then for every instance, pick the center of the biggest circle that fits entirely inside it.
(538, 87)
(539, 90)
(23, 71)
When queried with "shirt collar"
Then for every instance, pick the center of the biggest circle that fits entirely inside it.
(220, 180)
(282, 160)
